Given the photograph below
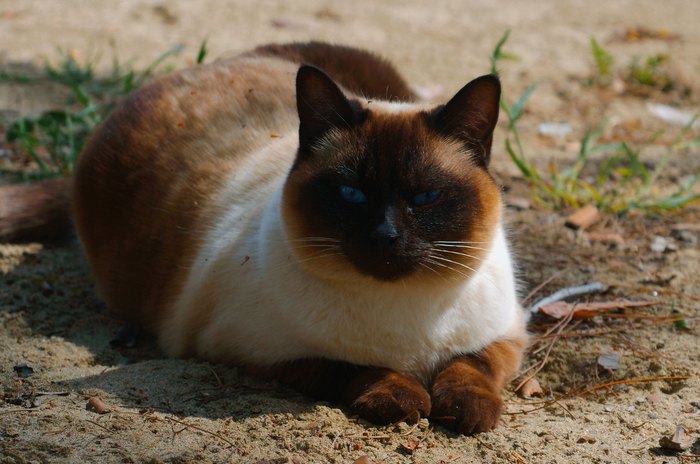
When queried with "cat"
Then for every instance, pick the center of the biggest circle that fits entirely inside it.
(295, 212)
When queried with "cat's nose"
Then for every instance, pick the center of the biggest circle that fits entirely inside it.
(385, 234)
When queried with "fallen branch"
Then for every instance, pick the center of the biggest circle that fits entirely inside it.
(594, 287)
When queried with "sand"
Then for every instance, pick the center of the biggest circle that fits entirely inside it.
(179, 411)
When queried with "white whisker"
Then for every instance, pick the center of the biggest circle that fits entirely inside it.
(319, 256)
(431, 261)
(458, 241)
(456, 253)
(442, 258)
(314, 239)
(316, 245)
(454, 245)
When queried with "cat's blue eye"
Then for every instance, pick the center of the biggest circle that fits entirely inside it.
(352, 195)
(425, 198)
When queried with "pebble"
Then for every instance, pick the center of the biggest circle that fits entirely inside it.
(661, 244)
(554, 129)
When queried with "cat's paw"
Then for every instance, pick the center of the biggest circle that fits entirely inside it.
(467, 409)
(384, 397)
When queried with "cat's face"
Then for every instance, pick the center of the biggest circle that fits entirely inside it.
(390, 194)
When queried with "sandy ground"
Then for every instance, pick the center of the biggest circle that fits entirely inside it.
(179, 411)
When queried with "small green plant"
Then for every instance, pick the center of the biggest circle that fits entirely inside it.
(603, 61)
(650, 71)
(618, 183)
(53, 140)
(202, 53)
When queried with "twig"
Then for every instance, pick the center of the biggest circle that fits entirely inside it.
(561, 325)
(100, 426)
(216, 376)
(9, 411)
(625, 381)
(568, 292)
(534, 291)
(190, 426)
(485, 445)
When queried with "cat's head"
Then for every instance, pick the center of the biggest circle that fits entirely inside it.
(390, 191)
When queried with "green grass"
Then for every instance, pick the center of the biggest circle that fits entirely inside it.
(52, 141)
(616, 180)
(650, 71)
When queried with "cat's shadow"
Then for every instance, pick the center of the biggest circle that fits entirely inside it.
(52, 290)
(192, 388)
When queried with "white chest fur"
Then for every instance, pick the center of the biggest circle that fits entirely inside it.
(263, 308)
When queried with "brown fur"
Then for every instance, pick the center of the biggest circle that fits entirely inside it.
(35, 211)
(466, 394)
(472, 203)
(144, 150)
(358, 71)
(145, 183)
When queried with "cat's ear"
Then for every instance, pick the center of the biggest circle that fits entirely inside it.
(321, 106)
(471, 115)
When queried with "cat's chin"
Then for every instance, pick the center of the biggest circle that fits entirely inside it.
(388, 271)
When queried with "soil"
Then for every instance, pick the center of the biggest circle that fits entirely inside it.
(55, 333)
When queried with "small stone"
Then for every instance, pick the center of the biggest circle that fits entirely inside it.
(609, 361)
(554, 129)
(662, 245)
(680, 441)
(685, 236)
(23, 370)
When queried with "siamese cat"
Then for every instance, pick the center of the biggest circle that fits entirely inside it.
(295, 212)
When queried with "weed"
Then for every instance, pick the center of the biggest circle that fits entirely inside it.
(621, 181)
(53, 140)
(603, 61)
(202, 53)
(650, 71)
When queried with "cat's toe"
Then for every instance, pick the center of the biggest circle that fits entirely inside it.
(391, 398)
(467, 409)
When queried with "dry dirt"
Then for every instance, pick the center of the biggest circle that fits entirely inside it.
(165, 410)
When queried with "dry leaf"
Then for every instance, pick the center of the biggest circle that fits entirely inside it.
(582, 218)
(95, 404)
(530, 388)
(363, 460)
(561, 309)
(410, 446)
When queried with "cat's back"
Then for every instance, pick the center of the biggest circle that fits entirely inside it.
(146, 181)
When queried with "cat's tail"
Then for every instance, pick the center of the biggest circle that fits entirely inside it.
(37, 211)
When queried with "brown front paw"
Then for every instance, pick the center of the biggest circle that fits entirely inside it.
(467, 409)
(382, 397)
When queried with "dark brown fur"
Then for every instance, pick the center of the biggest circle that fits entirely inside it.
(361, 72)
